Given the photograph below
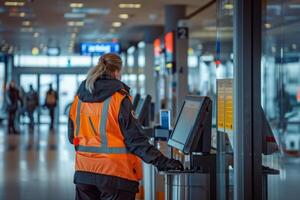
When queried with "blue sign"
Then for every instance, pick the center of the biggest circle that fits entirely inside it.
(90, 48)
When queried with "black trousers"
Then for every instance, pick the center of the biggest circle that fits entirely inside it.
(91, 192)
(31, 119)
(11, 121)
(51, 114)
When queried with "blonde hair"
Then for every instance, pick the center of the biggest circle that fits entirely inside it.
(108, 64)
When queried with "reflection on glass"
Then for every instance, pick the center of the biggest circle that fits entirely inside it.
(1, 83)
(280, 90)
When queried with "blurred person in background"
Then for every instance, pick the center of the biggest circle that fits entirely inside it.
(108, 139)
(51, 103)
(31, 103)
(14, 102)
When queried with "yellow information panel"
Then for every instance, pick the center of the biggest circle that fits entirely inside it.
(220, 105)
(225, 105)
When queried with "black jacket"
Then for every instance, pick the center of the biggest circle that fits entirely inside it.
(136, 142)
(12, 99)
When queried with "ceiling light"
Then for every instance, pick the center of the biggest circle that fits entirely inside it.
(228, 6)
(153, 16)
(14, 3)
(92, 11)
(36, 35)
(73, 35)
(76, 5)
(74, 15)
(130, 5)
(123, 16)
(27, 29)
(294, 6)
(267, 25)
(16, 14)
(75, 23)
(71, 23)
(35, 51)
(79, 23)
(26, 23)
(116, 24)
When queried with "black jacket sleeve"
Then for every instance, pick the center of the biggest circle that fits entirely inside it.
(70, 130)
(135, 141)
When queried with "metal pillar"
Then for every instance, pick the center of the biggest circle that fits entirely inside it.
(149, 70)
(152, 80)
(248, 138)
(178, 81)
(181, 73)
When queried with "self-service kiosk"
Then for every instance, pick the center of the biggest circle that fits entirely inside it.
(192, 136)
(144, 114)
(136, 100)
(143, 110)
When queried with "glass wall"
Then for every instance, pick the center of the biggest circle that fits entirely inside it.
(223, 99)
(2, 86)
(281, 93)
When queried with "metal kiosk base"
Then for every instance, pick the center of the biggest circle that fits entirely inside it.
(199, 182)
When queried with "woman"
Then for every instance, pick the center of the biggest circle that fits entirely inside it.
(108, 139)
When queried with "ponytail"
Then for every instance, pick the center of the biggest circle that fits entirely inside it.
(108, 63)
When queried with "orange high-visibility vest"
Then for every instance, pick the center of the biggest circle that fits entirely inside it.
(99, 142)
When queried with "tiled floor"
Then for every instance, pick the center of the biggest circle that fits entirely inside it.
(36, 165)
(39, 166)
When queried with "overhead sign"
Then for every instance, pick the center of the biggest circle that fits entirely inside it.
(182, 32)
(91, 48)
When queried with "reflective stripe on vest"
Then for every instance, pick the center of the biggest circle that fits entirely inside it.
(103, 121)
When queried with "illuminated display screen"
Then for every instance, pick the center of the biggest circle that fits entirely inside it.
(169, 46)
(157, 52)
(90, 48)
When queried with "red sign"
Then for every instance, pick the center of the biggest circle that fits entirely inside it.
(169, 42)
(157, 48)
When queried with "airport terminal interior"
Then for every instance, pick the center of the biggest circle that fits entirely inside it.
(214, 84)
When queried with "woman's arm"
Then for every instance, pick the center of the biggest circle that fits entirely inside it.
(137, 143)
